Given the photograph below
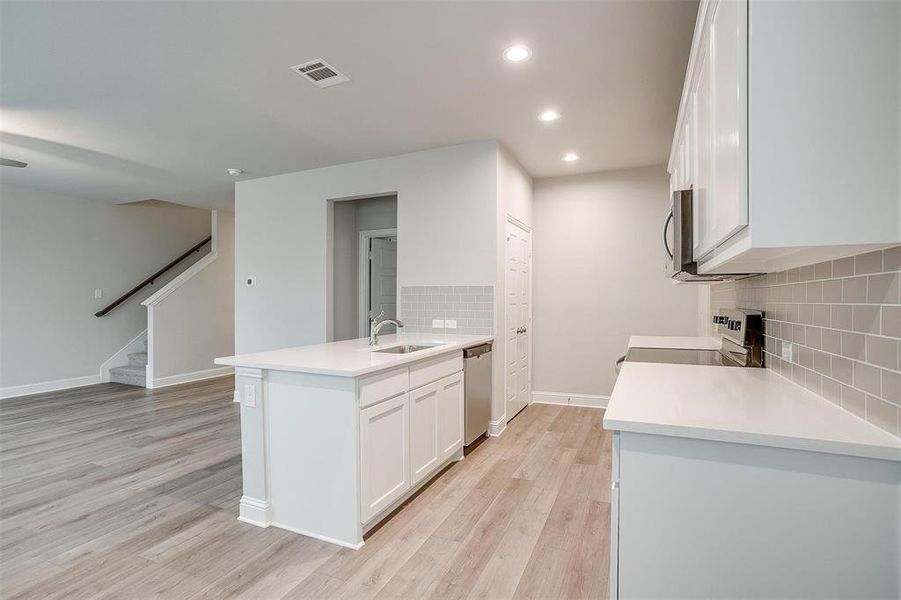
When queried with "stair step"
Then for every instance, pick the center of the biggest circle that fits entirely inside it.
(137, 359)
(129, 375)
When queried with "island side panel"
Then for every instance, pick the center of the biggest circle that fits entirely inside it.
(314, 454)
(713, 519)
(255, 502)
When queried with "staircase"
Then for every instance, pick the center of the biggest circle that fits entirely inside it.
(135, 372)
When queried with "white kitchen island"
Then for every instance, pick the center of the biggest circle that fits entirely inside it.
(335, 436)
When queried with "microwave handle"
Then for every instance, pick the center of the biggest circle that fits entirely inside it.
(669, 219)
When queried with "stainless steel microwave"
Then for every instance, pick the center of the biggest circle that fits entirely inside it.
(684, 265)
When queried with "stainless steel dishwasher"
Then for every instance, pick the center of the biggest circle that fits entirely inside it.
(476, 391)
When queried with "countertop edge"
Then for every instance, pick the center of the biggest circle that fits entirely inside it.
(756, 439)
(399, 362)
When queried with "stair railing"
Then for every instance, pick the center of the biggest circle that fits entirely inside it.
(149, 281)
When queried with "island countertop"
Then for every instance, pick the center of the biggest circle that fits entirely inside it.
(353, 358)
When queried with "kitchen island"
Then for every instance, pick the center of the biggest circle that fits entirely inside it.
(335, 436)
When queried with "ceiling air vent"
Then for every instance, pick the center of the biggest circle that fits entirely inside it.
(320, 73)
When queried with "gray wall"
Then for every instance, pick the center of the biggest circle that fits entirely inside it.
(842, 322)
(350, 218)
(446, 219)
(54, 251)
(598, 276)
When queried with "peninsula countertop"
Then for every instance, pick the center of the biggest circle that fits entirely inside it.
(741, 405)
(353, 358)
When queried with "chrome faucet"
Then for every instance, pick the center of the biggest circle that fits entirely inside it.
(375, 325)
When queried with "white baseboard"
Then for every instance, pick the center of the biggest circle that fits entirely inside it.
(159, 382)
(14, 391)
(496, 428)
(324, 538)
(585, 400)
(254, 511)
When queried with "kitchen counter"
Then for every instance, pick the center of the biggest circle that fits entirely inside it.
(744, 405)
(352, 358)
(673, 341)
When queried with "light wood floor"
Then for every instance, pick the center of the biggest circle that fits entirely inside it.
(112, 491)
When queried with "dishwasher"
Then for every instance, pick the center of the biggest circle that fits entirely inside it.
(476, 391)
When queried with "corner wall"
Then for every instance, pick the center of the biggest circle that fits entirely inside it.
(54, 251)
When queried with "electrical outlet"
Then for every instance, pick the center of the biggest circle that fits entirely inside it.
(251, 281)
(237, 397)
(450, 323)
(437, 323)
(98, 294)
(786, 352)
(250, 396)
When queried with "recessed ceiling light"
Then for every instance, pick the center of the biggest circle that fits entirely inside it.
(235, 172)
(570, 157)
(549, 115)
(517, 53)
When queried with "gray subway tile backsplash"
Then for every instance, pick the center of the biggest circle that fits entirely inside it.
(472, 307)
(843, 321)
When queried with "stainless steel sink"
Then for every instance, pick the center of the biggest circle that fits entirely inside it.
(406, 348)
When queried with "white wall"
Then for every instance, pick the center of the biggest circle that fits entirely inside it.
(194, 323)
(446, 219)
(54, 251)
(598, 276)
(350, 218)
(514, 194)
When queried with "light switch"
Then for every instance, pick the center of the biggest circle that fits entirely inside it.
(237, 397)
(437, 323)
(98, 294)
(250, 396)
(450, 323)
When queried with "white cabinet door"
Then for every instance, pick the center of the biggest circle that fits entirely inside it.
(424, 415)
(702, 155)
(384, 454)
(450, 416)
(728, 92)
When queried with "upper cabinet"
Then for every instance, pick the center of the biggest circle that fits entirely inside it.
(788, 132)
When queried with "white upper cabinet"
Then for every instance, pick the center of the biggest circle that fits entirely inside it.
(788, 132)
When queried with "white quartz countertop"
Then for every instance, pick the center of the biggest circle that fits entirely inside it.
(741, 405)
(352, 358)
(673, 341)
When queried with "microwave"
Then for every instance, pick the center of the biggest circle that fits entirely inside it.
(680, 255)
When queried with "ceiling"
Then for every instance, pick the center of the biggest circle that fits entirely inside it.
(125, 101)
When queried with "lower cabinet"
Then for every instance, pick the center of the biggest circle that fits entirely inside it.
(403, 440)
(384, 454)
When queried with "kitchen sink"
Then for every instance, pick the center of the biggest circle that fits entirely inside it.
(406, 348)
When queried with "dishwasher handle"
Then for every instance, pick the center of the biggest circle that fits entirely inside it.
(477, 351)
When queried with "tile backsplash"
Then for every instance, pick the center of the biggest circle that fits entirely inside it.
(842, 319)
(472, 307)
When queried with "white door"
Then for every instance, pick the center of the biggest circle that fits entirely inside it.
(450, 416)
(517, 318)
(424, 431)
(384, 454)
(383, 279)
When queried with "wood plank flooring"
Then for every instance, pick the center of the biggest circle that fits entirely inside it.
(112, 491)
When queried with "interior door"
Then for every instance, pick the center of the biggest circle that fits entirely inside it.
(383, 279)
(517, 318)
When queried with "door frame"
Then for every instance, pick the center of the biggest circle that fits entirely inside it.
(363, 273)
(511, 220)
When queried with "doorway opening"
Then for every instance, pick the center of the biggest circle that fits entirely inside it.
(364, 264)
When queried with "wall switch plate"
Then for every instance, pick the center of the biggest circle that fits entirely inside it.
(450, 323)
(237, 397)
(787, 352)
(98, 294)
(250, 396)
(437, 323)
(251, 281)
